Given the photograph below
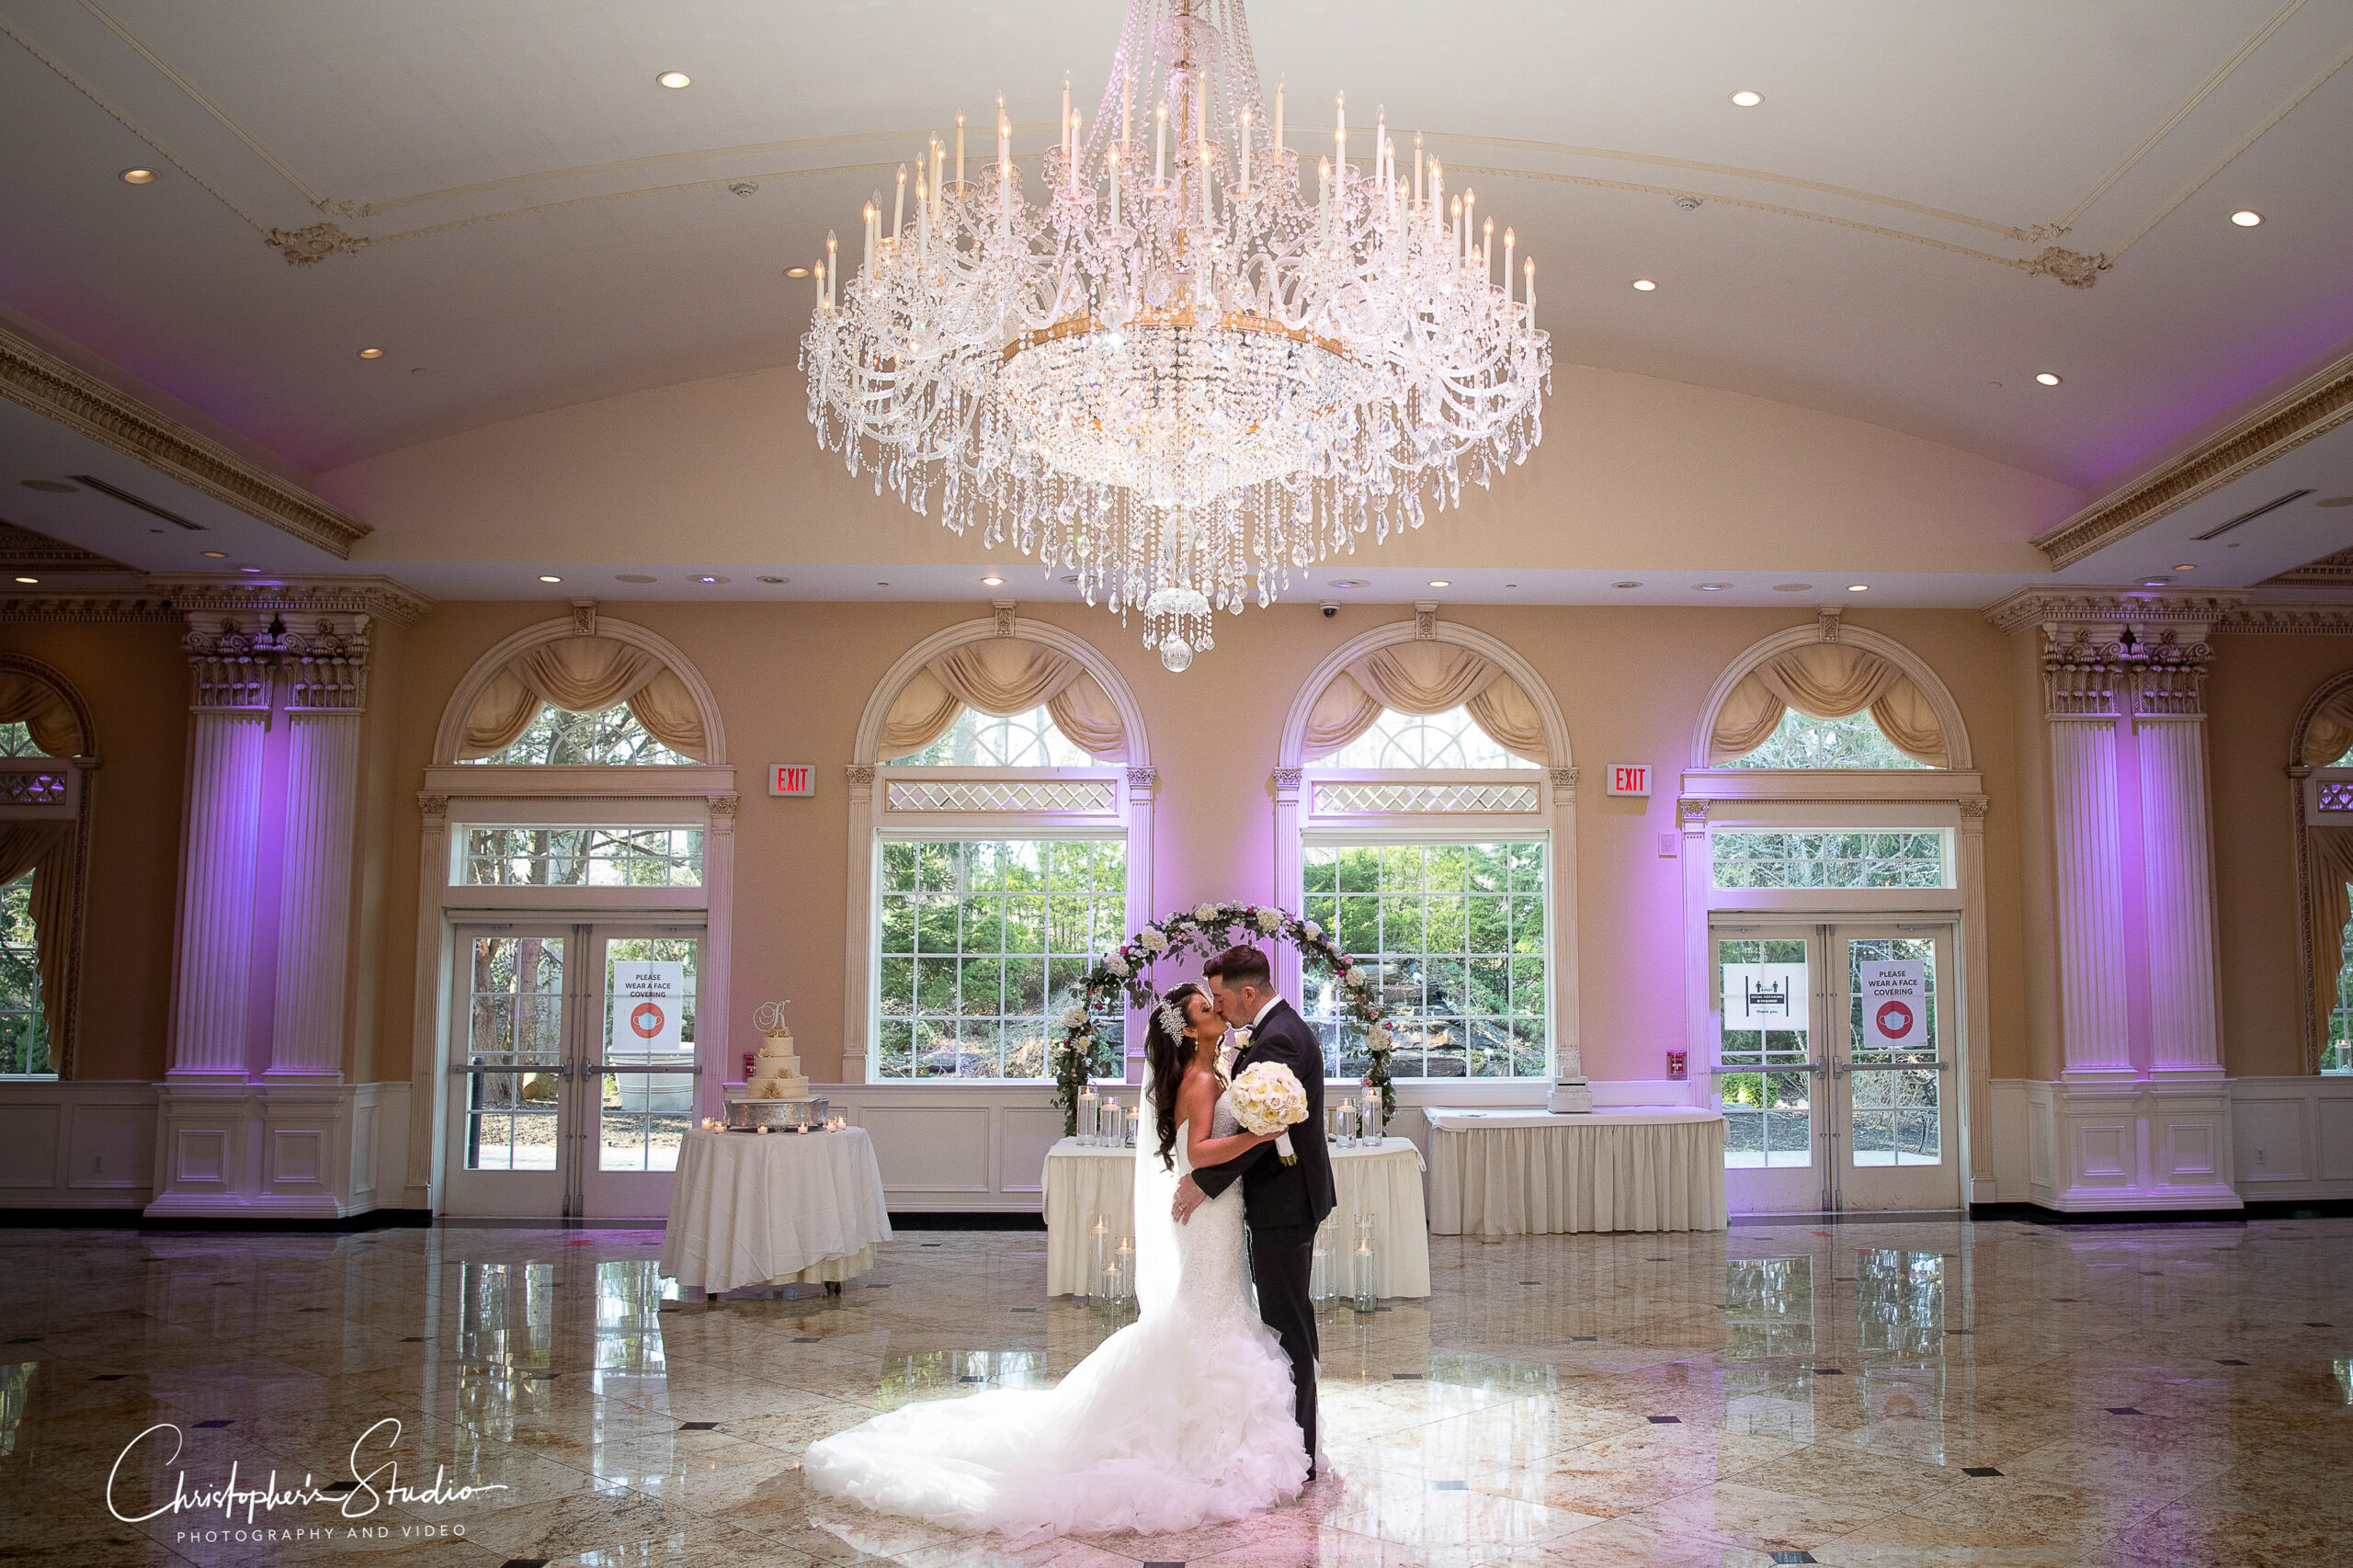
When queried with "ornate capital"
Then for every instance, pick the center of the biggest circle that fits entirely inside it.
(326, 660)
(1972, 808)
(1290, 777)
(2096, 671)
(2171, 677)
(722, 809)
(233, 664)
(1142, 782)
(435, 810)
(2081, 674)
(1692, 813)
(1564, 779)
(860, 776)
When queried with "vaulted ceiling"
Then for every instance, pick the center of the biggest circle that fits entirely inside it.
(1932, 204)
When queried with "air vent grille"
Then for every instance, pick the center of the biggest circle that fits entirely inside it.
(2219, 529)
(128, 499)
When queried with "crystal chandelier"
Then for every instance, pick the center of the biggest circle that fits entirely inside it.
(1170, 371)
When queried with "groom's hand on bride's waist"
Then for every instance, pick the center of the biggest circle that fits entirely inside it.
(1189, 1198)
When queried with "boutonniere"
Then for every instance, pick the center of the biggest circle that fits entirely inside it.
(1237, 1040)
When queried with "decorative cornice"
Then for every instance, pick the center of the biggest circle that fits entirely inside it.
(244, 596)
(2112, 606)
(92, 607)
(38, 380)
(2305, 412)
(2317, 620)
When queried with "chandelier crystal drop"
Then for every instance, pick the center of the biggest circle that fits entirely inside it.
(1169, 370)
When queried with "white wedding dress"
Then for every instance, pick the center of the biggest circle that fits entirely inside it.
(1181, 1418)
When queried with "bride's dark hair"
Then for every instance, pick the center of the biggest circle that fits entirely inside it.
(1165, 1057)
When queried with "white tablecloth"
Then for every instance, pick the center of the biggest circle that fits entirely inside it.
(749, 1208)
(1082, 1184)
(1514, 1173)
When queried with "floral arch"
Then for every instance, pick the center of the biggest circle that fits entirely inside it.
(1207, 930)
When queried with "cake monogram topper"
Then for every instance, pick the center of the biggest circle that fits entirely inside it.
(769, 1020)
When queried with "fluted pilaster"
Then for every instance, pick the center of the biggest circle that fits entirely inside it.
(314, 893)
(216, 913)
(2090, 896)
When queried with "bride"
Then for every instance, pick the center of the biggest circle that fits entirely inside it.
(1183, 1417)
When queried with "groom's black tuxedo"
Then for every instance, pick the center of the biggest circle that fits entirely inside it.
(1282, 1205)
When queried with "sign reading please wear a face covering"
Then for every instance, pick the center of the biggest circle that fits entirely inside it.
(648, 996)
(1895, 1004)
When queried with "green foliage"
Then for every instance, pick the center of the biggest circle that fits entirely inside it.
(1802, 741)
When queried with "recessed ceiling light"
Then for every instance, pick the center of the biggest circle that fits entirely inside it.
(137, 176)
(1711, 587)
(1625, 584)
(776, 581)
(1349, 582)
(2187, 566)
(1791, 587)
(371, 354)
(1441, 582)
(1858, 587)
(632, 577)
(1748, 99)
(544, 577)
(216, 555)
(992, 582)
(2155, 582)
(675, 79)
(59, 487)
(881, 585)
(707, 579)
(796, 272)
(2046, 377)
(2247, 218)
(28, 579)
(248, 568)
(1644, 285)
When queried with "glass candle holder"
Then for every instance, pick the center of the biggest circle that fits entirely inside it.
(1087, 1104)
(1368, 1274)
(1347, 1110)
(1099, 1255)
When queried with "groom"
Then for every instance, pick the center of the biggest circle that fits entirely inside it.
(1282, 1205)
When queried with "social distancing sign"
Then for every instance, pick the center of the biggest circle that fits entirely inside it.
(1894, 995)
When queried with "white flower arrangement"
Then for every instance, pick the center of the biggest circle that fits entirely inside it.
(1116, 965)
(1268, 1098)
(1205, 913)
(1153, 940)
(1270, 921)
(1075, 1017)
(1314, 932)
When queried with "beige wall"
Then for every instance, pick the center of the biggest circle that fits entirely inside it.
(791, 681)
(135, 681)
(2258, 685)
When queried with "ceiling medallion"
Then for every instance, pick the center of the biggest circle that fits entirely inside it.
(1170, 371)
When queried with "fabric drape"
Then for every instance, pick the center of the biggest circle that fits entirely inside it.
(1425, 678)
(2331, 850)
(31, 701)
(584, 674)
(1000, 675)
(2330, 735)
(1828, 680)
(46, 850)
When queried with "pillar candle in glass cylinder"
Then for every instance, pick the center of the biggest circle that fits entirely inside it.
(1086, 1106)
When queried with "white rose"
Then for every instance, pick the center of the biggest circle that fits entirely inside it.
(1205, 913)
(1073, 1017)
(1270, 921)
(1314, 932)
(1151, 939)
(1116, 965)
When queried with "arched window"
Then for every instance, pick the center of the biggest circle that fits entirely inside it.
(557, 737)
(582, 699)
(45, 758)
(2322, 763)
(1000, 839)
(1425, 815)
(1804, 740)
(1826, 696)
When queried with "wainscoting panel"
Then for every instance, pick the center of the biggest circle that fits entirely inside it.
(28, 1146)
(2292, 1138)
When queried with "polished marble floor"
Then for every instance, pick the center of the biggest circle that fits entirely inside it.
(1934, 1393)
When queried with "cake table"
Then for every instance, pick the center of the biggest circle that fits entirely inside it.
(773, 1209)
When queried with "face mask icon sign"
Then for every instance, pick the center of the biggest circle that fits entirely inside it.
(1895, 1020)
(646, 1019)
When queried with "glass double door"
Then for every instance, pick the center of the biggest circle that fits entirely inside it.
(571, 1069)
(1836, 1067)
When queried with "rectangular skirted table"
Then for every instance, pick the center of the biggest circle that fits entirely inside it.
(1515, 1173)
(773, 1209)
(1384, 1180)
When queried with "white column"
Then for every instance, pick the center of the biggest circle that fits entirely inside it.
(1977, 1003)
(2080, 679)
(228, 732)
(314, 895)
(857, 982)
(2178, 855)
(712, 1005)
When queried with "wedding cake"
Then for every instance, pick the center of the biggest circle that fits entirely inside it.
(776, 1069)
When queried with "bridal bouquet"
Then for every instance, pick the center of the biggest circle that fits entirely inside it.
(1268, 1098)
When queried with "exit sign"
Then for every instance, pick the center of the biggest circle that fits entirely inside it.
(1625, 781)
(792, 779)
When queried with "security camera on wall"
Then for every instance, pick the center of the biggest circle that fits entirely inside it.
(1331, 608)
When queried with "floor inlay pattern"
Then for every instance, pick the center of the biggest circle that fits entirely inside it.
(1879, 1394)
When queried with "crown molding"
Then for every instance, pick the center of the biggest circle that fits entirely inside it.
(2305, 412)
(2290, 620)
(175, 598)
(36, 380)
(2095, 606)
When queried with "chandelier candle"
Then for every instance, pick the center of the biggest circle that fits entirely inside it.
(1183, 390)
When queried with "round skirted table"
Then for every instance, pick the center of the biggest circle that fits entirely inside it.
(773, 1209)
(1519, 1173)
(1384, 1180)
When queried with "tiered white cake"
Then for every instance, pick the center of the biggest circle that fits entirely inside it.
(776, 1069)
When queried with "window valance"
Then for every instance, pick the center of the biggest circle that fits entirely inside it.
(2330, 734)
(1000, 675)
(584, 674)
(1828, 680)
(1426, 678)
(44, 712)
